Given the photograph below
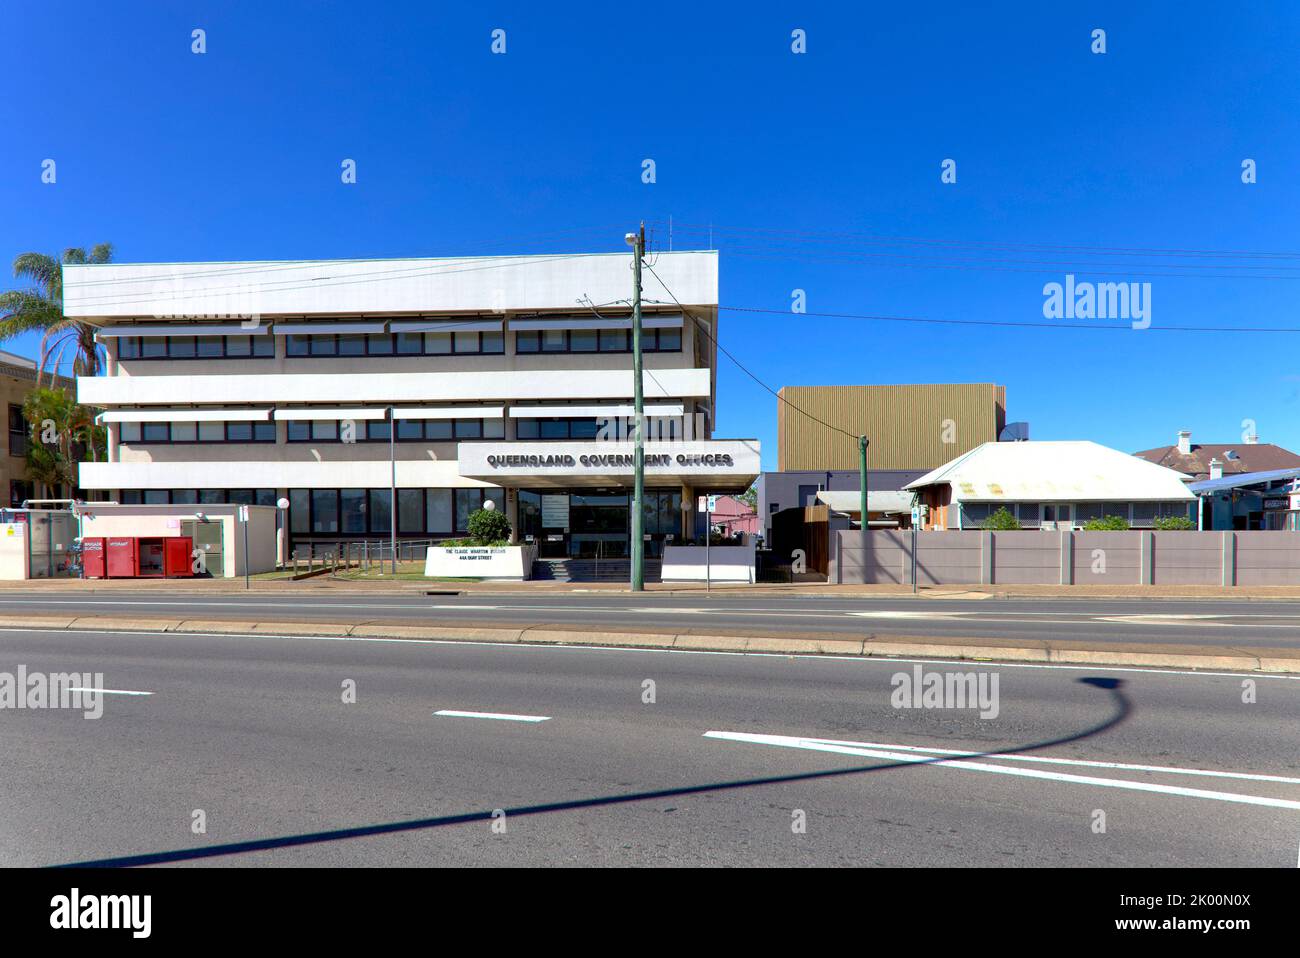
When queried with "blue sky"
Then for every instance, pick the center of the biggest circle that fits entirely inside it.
(808, 166)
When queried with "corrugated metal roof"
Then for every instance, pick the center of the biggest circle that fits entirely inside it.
(850, 500)
(1055, 471)
(1243, 479)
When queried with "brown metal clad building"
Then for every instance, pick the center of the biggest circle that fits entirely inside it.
(910, 427)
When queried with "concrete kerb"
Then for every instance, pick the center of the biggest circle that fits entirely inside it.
(1211, 658)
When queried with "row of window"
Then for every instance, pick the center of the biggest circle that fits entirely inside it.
(202, 497)
(196, 347)
(344, 511)
(596, 341)
(408, 430)
(1032, 514)
(321, 430)
(184, 432)
(452, 342)
(459, 342)
(369, 511)
(657, 428)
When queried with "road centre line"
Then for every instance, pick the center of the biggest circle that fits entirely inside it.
(500, 716)
(786, 741)
(110, 691)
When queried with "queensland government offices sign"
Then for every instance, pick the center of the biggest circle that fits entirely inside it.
(495, 461)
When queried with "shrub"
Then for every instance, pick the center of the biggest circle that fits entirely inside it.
(1107, 524)
(489, 527)
(1168, 523)
(1002, 519)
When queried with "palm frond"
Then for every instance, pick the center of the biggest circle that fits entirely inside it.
(40, 269)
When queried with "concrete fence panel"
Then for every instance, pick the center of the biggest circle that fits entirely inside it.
(946, 558)
(1026, 558)
(1268, 558)
(1107, 558)
(1188, 558)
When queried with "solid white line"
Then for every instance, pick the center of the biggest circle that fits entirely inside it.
(1210, 773)
(814, 745)
(857, 659)
(111, 691)
(502, 716)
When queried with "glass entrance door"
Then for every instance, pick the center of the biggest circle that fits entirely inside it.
(599, 525)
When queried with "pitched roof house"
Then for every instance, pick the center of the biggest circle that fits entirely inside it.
(1235, 458)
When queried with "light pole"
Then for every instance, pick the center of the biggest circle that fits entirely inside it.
(392, 484)
(637, 242)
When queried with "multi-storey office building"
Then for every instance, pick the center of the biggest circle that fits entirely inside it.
(503, 378)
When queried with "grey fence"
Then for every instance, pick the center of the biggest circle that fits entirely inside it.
(1066, 558)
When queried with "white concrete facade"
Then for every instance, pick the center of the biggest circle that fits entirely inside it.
(263, 380)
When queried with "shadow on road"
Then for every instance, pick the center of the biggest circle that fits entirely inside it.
(1123, 709)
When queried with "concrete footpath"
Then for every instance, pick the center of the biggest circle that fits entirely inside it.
(320, 584)
(1061, 651)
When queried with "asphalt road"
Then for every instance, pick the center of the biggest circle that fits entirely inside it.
(1263, 623)
(254, 732)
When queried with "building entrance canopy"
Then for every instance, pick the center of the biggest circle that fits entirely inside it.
(719, 465)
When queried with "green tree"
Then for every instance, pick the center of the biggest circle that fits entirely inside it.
(1107, 524)
(40, 307)
(61, 433)
(488, 527)
(750, 498)
(1002, 519)
(1169, 523)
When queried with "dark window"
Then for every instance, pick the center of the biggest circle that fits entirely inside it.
(296, 345)
(180, 347)
(613, 341)
(299, 511)
(377, 429)
(440, 510)
(17, 431)
(381, 514)
(128, 347)
(528, 341)
(469, 428)
(324, 510)
(526, 429)
(408, 429)
(155, 432)
(583, 340)
(410, 510)
(324, 345)
(354, 510)
(438, 429)
(352, 344)
(239, 432)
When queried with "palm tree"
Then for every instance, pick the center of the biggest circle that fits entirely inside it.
(61, 432)
(41, 307)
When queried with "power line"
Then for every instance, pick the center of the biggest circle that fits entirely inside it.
(1006, 266)
(864, 237)
(1010, 323)
(704, 326)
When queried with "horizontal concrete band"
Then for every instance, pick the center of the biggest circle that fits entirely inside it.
(1050, 651)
